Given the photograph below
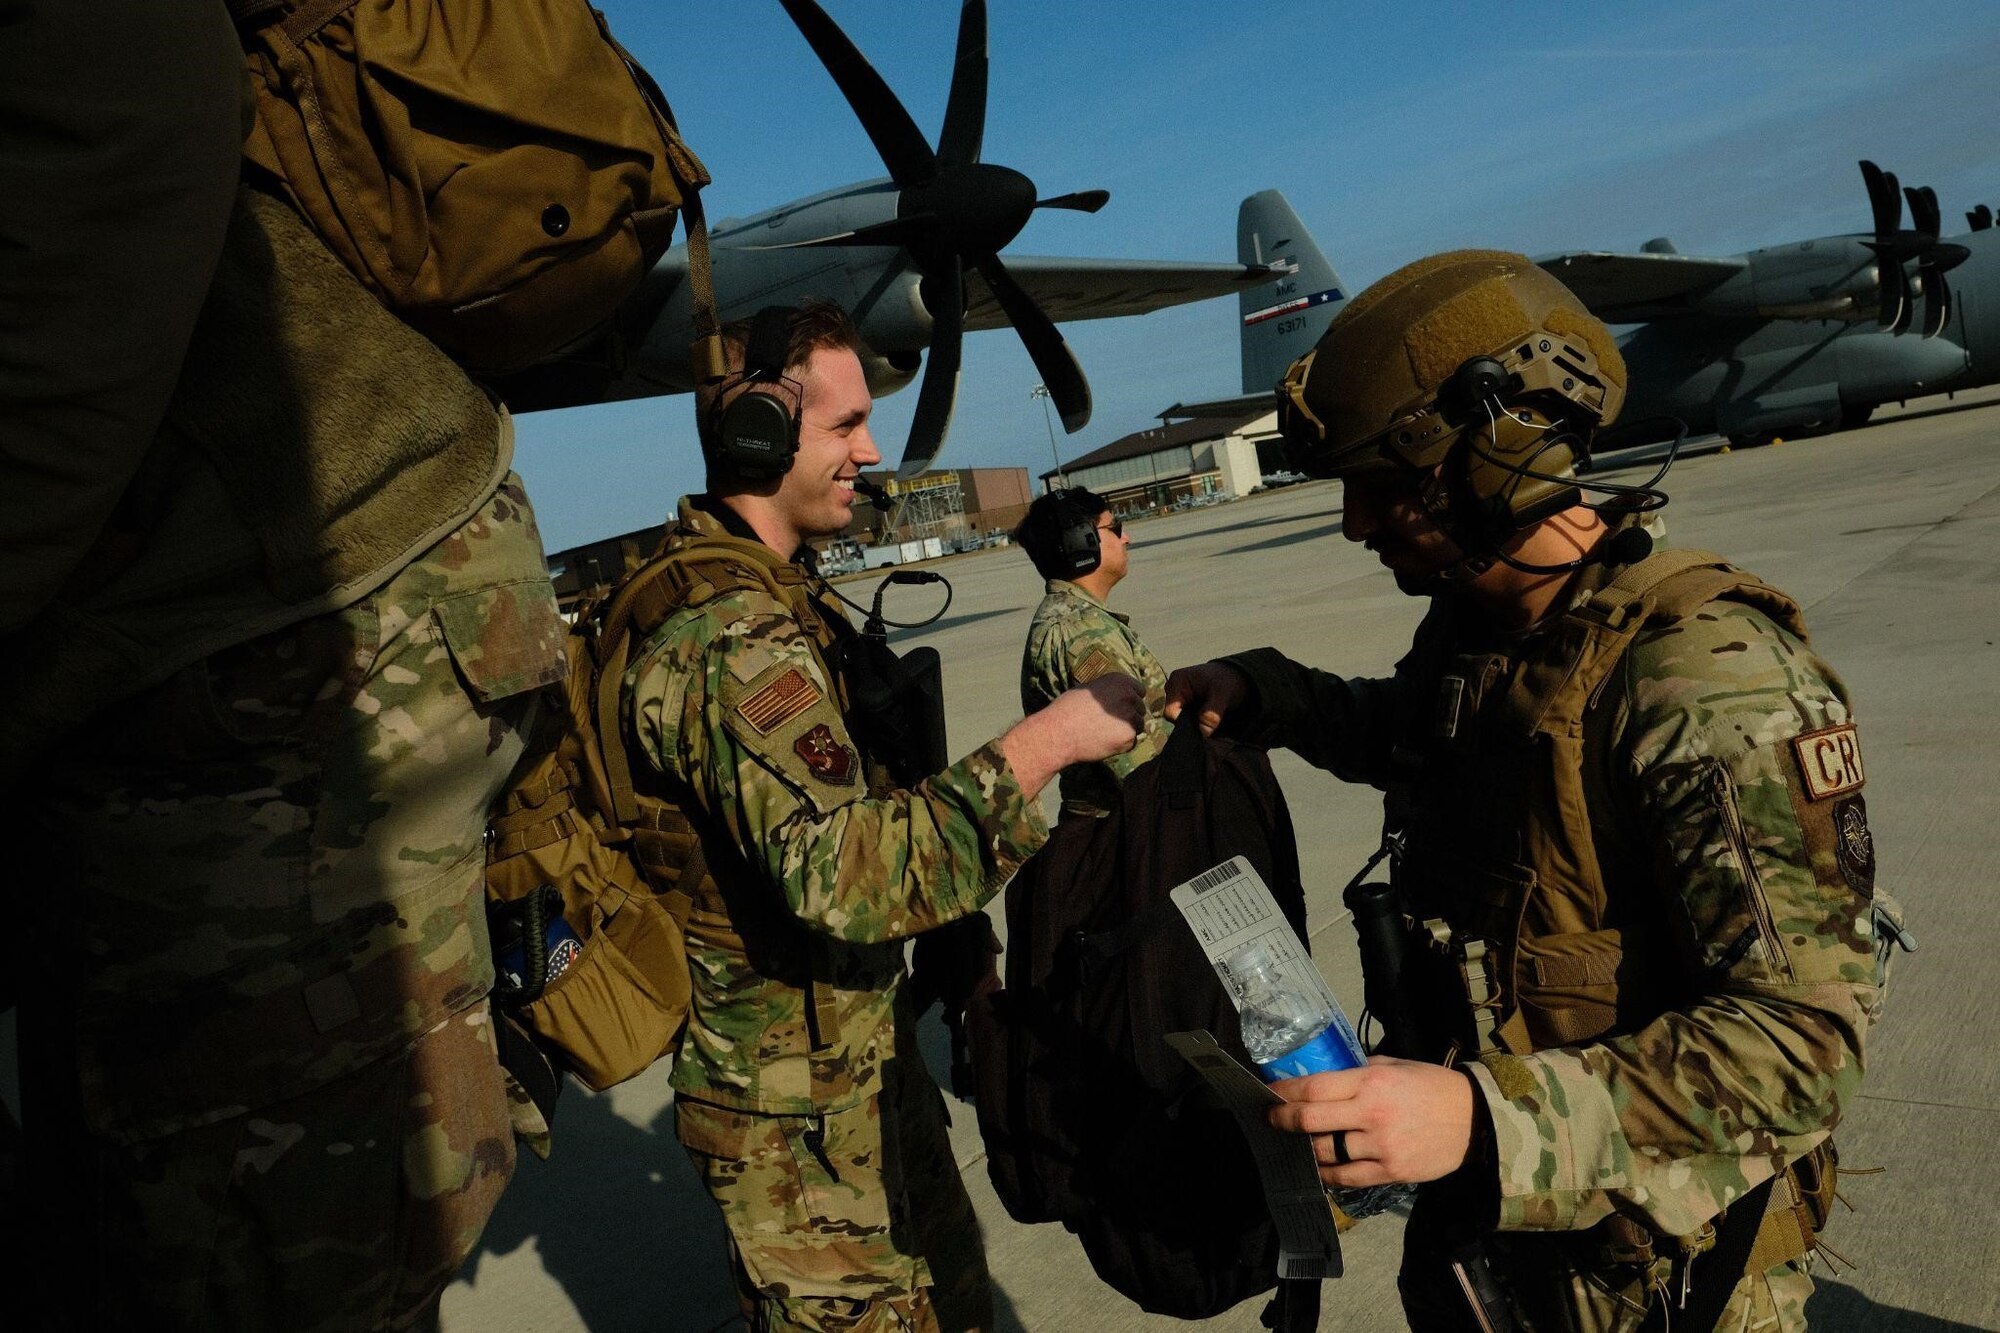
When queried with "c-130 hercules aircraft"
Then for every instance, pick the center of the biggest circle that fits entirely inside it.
(915, 258)
(1810, 336)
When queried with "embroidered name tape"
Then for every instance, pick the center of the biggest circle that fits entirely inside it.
(1829, 761)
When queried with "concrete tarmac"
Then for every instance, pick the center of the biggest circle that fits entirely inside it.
(1890, 535)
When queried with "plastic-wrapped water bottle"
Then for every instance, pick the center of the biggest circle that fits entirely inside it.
(1289, 1030)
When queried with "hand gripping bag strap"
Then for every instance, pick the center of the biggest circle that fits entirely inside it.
(1183, 786)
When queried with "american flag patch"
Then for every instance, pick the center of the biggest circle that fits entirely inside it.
(1095, 663)
(779, 702)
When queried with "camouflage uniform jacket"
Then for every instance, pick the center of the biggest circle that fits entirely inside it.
(1707, 1029)
(1073, 639)
(821, 870)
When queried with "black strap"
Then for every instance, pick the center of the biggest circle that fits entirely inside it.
(1717, 1272)
(1183, 765)
(1090, 949)
(1294, 1307)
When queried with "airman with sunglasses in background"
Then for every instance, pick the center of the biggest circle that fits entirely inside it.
(1079, 546)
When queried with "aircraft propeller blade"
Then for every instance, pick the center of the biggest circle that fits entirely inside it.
(1937, 300)
(1937, 295)
(902, 145)
(1895, 246)
(1883, 198)
(1979, 218)
(964, 129)
(1083, 201)
(953, 212)
(1898, 302)
(896, 231)
(1924, 215)
(1067, 387)
(944, 295)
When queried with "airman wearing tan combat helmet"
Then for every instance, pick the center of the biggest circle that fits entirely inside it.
(1644, 937)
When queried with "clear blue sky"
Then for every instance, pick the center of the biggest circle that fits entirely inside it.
(1395, 129)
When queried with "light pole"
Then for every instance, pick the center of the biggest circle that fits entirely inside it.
(1041, 391)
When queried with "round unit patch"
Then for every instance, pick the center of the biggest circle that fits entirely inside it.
(1854, 845)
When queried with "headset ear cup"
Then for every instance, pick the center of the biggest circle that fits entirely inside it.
(757, 436)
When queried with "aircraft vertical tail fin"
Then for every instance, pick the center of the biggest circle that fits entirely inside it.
(1284, 317)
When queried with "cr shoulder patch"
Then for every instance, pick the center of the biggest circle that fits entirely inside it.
(1854, 845)
(1095, 663)
(831, 759)
(779, 702)
(1829, 761)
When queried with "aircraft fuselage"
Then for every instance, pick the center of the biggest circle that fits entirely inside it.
(1752, 376)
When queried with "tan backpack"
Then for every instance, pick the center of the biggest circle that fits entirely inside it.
(594, 871)
(609, 992)
(501, 174)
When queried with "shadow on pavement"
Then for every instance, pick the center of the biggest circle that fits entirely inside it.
(1838, 1308)
(1289, 539)
(620, 1222)
(1141, 539)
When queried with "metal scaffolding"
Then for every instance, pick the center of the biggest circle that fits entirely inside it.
(932, 505)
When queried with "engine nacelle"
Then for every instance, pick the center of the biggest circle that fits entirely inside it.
(892, 316)
(890, 371)
(1835, 277)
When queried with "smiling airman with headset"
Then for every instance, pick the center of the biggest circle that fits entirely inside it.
(800, 1095)
(1644, 937)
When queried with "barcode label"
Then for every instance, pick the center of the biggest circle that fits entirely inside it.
(1214, 879)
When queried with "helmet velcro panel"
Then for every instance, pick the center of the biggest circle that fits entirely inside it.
(1476, 322)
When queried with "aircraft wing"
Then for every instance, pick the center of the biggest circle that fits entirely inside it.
(1630, 288)
(1072, 289)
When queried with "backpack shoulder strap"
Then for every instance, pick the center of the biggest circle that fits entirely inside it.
(686, 574)
(1554, 691)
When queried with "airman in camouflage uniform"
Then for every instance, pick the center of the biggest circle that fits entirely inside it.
(800, 1095)
(1075, 637)
(254, 762)
(1627, 794)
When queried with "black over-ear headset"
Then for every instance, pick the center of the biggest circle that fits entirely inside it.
(1078, 545)
(756, 433)
(1071, 536)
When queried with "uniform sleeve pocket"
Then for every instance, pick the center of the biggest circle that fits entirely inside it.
(1570, 985)
(505, 640)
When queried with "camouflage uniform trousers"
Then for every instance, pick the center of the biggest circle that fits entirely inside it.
(260, 1087)
(855, 1221)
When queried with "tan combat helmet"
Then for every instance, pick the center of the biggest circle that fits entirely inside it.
(1478, 349)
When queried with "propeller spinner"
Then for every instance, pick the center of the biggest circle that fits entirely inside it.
(1895, 247)
(954, 213)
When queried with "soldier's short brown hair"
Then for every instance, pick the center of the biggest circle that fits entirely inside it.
(813, 324)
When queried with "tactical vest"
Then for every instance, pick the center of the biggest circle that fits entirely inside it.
(1508, 838)
(621, 847)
